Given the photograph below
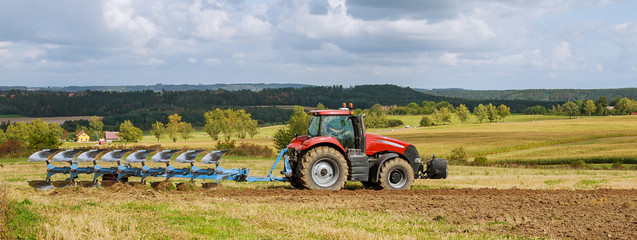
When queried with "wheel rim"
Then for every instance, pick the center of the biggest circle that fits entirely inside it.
(397, 178)
(325, 173)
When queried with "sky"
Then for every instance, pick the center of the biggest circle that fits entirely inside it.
(487, 44)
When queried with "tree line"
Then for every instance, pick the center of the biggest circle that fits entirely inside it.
(588, 107)
(146, 107)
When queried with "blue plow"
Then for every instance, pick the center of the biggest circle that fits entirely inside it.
(122, 169)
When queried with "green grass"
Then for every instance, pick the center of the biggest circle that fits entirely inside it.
(12, 116)
(21, 221)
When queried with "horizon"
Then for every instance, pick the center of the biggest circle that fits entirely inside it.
(476, 45)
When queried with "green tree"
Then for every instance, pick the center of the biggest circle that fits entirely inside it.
(535, 110)
(626, 106)
(571, 109)
(375, 119)
(215, 121)
(185, 130)
(492, 113)
(589, 107)
(377, 108)
(129, 132)
(320, 106)
(503, 111)
(426, 121)
(443, 115)
(444, 104)
(296, 126)
(44, 135)
(173, 126)
(232, 125)
(463, 113)
(481, 112)
(158, 130)
(18, 131)
(252, 128)
(602, 106)
(245, 122)
(96, 127)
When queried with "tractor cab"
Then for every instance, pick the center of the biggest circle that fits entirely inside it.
(342, 125)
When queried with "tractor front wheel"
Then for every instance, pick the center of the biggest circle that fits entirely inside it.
(396, 174)
(323, 168)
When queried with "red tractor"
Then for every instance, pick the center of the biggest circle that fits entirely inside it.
(337, 149)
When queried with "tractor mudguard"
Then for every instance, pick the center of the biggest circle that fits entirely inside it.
(374, 171)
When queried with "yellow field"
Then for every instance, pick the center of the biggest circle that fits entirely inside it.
(521, 139)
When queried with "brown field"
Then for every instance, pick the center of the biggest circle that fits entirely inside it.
(557, 202)
(58, 120)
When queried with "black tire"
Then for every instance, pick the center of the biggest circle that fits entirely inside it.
(323, 168)
(296, 183)
(396, 174)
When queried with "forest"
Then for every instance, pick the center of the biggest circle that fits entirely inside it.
(553, 95)
(145, 107)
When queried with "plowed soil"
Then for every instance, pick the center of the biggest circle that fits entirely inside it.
(589, 214)
(555, 214)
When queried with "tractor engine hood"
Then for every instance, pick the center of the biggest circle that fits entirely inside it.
(378, 143)
(297, 142)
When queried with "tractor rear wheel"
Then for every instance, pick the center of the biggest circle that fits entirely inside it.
(296, 183)
(323, 168)
(396, 174)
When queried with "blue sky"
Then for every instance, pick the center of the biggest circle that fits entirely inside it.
(488, 44)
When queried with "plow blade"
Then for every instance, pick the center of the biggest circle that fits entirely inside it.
(41, 185)
(108, 183)
(88, 184)
(62, 183)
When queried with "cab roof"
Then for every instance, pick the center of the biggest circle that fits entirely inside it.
(330, 112)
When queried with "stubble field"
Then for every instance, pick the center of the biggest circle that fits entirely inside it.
(555, 201)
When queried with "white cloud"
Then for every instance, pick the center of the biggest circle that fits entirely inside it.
(449, 58)
(212, 61)
(120, 16)
(238, 55)
(192, 60)
(562, 56)
(155, 61)
(5, 44)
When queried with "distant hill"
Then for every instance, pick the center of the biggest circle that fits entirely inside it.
(550, 95)
(161, 87)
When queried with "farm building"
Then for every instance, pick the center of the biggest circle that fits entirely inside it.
(111, 136)
(82, 137)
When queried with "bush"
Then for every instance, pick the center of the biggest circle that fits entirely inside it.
(482, 161)
(253, 150)
(618, 165)
(226, 144)
(14, 148)
(394, 122)
(579, 164)
(458, 155)
(426, 121)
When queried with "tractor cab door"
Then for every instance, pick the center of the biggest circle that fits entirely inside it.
(339, 127)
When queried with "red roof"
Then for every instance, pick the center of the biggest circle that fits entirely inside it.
(111, 135)
(79, 133)
(331, 112)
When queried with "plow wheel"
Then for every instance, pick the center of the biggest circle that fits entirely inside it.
(323, 168)
(396, 174)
